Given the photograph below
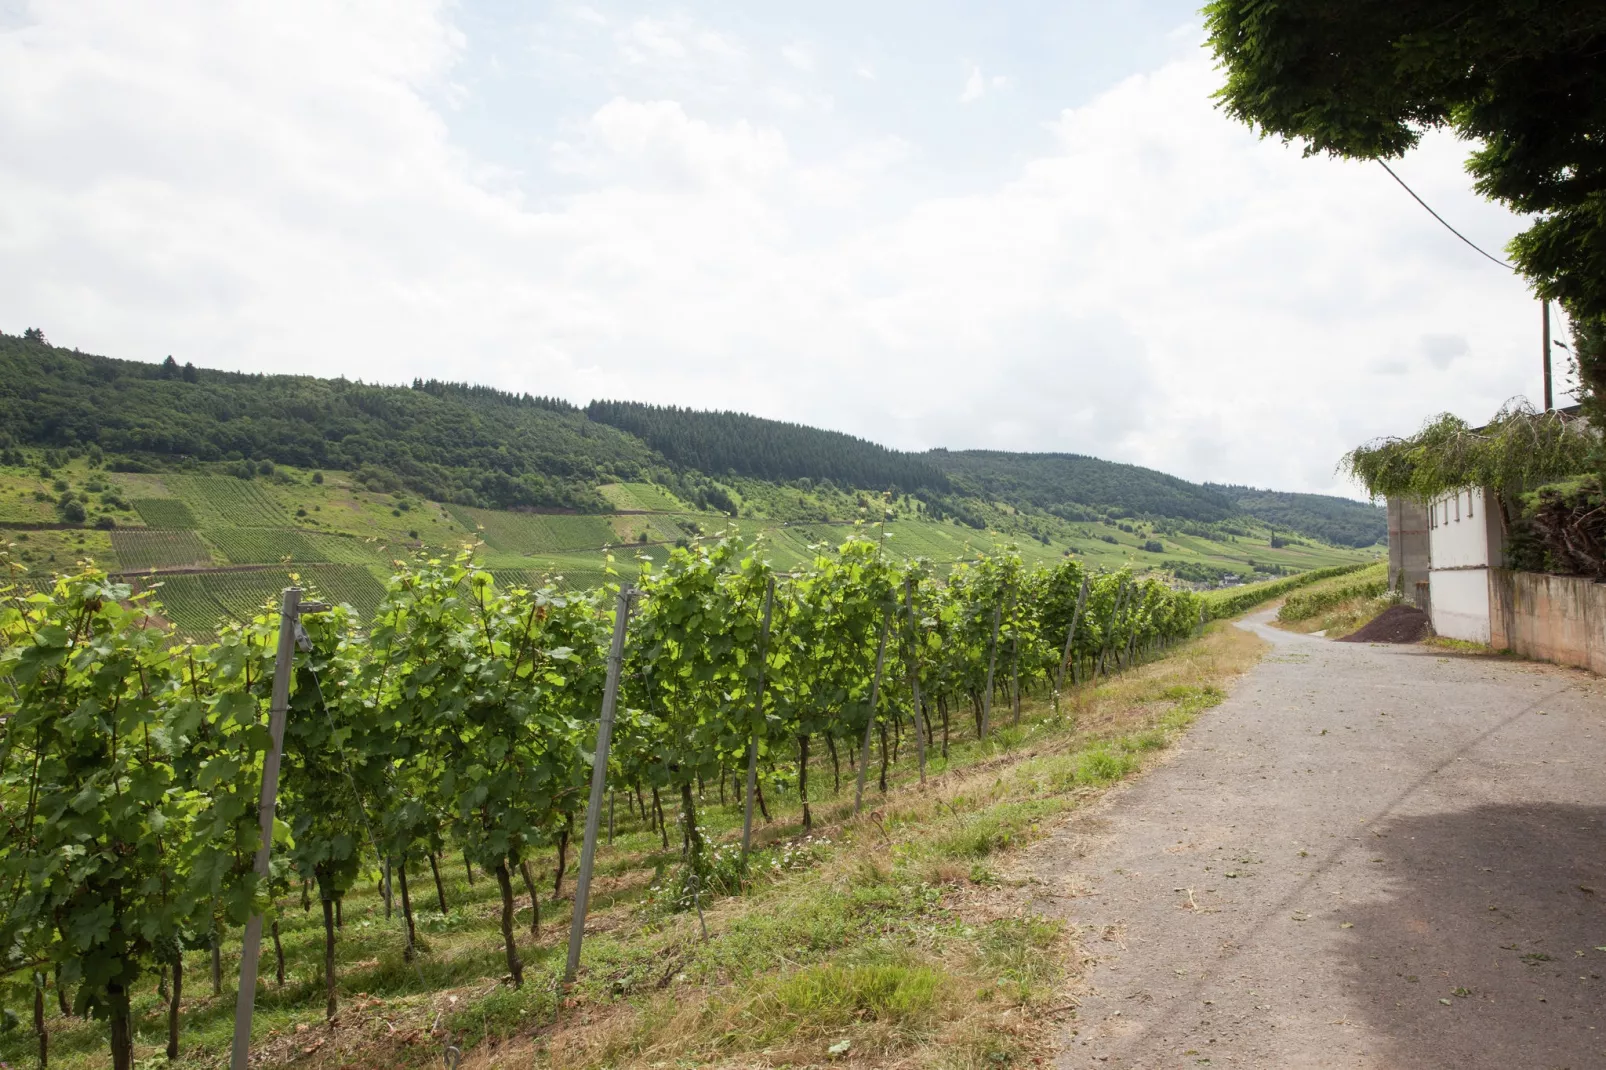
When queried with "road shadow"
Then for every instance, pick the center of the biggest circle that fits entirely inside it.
(1486, 950)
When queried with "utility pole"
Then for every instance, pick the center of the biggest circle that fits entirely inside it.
(1550, 402)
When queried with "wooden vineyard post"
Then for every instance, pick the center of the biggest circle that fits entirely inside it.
(914, 675)
(1131, 633)
(599, 782)
(758, 716)
(1070, 638)
(869, 726)
(290, 610)
(992, 663)
(1109, 635)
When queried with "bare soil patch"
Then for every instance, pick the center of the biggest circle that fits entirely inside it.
(1397, 624)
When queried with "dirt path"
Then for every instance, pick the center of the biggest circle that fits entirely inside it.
(1366, 857)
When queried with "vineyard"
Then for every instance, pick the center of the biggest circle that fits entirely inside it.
(536, 533)
(138, 550)
(1340, 605)
(195, 604)
(223, 501)
(165, 513)
(459, 719)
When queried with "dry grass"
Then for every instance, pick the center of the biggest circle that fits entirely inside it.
(959, 973)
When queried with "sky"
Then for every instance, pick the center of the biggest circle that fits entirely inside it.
(1017, 225)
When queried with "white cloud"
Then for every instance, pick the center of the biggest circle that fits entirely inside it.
(978, 85)
(279, 190)
(975, 86)
(799, 55)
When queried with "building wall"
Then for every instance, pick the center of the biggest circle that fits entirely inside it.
(1464, 542)
(1408, 550)
(1460, 602)
(1552, 618)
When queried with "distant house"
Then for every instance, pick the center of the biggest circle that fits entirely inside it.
(1440, 555)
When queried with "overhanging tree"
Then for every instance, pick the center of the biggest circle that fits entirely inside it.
(1523, 79)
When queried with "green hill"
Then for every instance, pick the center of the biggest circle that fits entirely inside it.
(1340, 521)
(219, 486)
(1080, 488)
(447, 441)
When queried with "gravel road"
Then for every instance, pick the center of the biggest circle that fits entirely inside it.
(1368, 856)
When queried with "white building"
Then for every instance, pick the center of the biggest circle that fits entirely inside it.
(1466, 538)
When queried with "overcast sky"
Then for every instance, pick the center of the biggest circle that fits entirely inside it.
(1017, 225)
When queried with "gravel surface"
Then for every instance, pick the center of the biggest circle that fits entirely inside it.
(1368, 856)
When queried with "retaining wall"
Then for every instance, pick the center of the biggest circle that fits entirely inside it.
(1561, 619)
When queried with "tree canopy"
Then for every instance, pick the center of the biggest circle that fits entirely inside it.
(1525, 80)
(1515, 452)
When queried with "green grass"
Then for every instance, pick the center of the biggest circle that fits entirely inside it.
(138, 550)
(165, 513)
(647, 496)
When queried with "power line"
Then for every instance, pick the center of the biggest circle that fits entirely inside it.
(1439, 217)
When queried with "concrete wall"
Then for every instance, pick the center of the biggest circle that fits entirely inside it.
(1551, 618)
(1408, 550)
(1464, 541)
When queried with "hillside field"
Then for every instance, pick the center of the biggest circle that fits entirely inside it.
(221, 545)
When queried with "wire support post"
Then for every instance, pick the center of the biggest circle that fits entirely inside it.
(875, 695)
(599, 782)
(291, 635)
(758, 719)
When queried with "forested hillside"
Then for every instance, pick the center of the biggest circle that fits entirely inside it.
(1336, 520)
(735, 443)
(477, 446)
(1078, 487)
(452, 443)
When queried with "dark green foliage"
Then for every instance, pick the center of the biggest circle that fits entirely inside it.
(1336, 520)
(1559, 528)
(448, 442)
(1051, 481)
(1195, 571)
(733, 442)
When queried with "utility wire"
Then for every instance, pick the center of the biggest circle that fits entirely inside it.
(1439, 217)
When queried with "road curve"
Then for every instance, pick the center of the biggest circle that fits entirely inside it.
(1367, 856)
